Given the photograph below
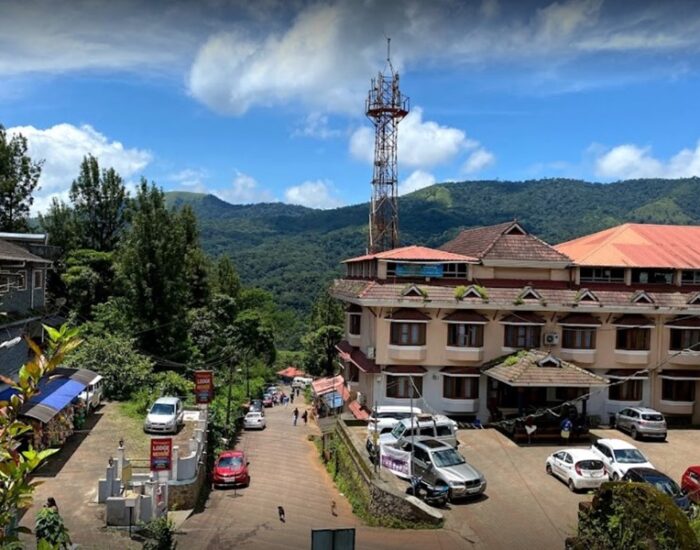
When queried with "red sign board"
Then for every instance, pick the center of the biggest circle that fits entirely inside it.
(203, 386)
(161, 454)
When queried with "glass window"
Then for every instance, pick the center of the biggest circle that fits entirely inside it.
(420, 454)
(631, 390)
(519, 336)
(633, 338)
(690, 277)
(602, 275)
(399, 387)
(463, 335)
(682, 338)
(653, 276)
(408, 334)
(578, 338)
(38, 279)
(678, 390)
(454, 271)
(443, 430)
(460, 387)
(447, 458)
(355, 323)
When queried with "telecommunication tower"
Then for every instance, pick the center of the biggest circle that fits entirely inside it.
(385, 107)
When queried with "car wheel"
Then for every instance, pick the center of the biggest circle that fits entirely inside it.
(548, 469)
(633, 433)
(571, 485)
(615, 476)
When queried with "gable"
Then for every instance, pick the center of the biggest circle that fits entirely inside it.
(529, 293)
(585, 295)
(641, 297)
(412, 291)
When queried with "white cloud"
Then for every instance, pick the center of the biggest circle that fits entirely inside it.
(630, 161)
(244, 190)
(417, 180)
(62, 148)
(314, 194)
(316, 126)
(190, 178)
(478, 160)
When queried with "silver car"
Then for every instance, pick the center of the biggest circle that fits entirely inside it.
(641, 421)
(166, 415)
(438, 462)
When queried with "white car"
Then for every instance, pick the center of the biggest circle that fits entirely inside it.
(384, 418)
(619, 456)
(166, 415)
(578, 468)
(254, 421)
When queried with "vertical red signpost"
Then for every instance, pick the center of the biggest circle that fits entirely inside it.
(203, 386)
(161, 454)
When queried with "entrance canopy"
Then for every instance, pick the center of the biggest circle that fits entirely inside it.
(534, 368)
(290, 372)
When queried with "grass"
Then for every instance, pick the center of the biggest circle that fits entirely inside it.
(129, 426)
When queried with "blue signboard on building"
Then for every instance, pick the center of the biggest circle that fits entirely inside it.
(419, 270)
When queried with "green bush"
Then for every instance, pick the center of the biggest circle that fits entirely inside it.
(159, 534)
(50, 528)
(173, 384)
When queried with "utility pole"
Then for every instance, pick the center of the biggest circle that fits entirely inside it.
(228, 400)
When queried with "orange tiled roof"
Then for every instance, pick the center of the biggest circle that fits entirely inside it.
(414, 253)
(638, 245)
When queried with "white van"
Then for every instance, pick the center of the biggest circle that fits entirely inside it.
(301, 382)
(92, 394)
(435, 427)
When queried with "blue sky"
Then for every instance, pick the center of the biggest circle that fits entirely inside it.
(263, 101)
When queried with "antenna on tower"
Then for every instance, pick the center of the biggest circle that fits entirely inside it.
(385, 107)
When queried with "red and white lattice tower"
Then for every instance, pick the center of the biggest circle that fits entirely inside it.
(385, 107)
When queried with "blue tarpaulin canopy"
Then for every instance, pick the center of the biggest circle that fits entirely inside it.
(333, 400)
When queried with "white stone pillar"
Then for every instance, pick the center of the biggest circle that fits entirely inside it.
(176, 457)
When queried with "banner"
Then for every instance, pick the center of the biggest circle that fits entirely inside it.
(395, 460)
(419, 270)
(161, 454)
(203, 386)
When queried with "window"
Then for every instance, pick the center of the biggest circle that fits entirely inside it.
(460, 387)
(578, 338)
(602, 275)
(653, 276)
(38, 279)
(22, 280)
(632, 339)
(521, 336)
(678, 390)
(443, 430)
(354, 323)
(463, 335)
(690, 278)
(685, 339)
(631, 390)
(408, 334)
(420, 454)
(399, 387)
(454, 271)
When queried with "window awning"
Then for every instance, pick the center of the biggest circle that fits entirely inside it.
(406, 314)
(405, 370)
(633, 321)
(681, 375)
(523, 318)
(354, 355)
(580, 320)
(471, 317)
(461, 371)
(620, 374)
(684, 322)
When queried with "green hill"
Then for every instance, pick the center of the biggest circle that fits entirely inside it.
(293, 251)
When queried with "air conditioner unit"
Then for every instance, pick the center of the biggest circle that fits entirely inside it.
(370, 352)
(551, 338)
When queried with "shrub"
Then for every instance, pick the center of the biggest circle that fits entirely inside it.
(172, 384)
(159, 534)
(51, 529)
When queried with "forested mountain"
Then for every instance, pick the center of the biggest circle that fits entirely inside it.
(293, 251)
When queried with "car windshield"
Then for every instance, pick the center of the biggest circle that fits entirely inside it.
(653, 417)
(666, 485)
(446, 458)
(230, 462)
(629, 456)
(162, 408)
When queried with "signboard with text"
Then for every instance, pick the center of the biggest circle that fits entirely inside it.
(396, 460)
(419, 270)
(203, 386)
(161, 454)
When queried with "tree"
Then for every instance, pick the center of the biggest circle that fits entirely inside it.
(19, 177)
(251, 335)
(88, 280)
(196, 262)
(152, 265)
(226, 278)
(99, 200)
(16, 488)
(325, 332)
(60, 225)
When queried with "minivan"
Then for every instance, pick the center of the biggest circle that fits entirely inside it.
(301, 382)
(92, 394)
(437, 427)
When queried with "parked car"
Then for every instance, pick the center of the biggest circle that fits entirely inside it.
(619, 456)
(254, 421)
(690, 483)
(301, 382)
(256, 405)
(231, 469)
(437, 462)
(267, 400)
(578, 468)
(92, 394)
(435, 427)
(641, 421)
(166, 415)
(384, 418)
(662, 482)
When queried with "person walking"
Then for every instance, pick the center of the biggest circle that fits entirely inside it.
(305, 417)
(291, 398)
(295, 414)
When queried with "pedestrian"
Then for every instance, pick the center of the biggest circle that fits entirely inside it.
(51, 503)
(566, 426)
(305, 417)
(295, 415)
(292, 397)
(285, 399)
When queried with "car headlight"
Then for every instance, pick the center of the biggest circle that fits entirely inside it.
(455, 484)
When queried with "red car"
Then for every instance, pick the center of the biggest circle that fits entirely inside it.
(231, 468)
(690, 483)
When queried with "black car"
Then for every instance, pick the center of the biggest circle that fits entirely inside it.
(662, 482)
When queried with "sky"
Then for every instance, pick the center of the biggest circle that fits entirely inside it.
(264, 101)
